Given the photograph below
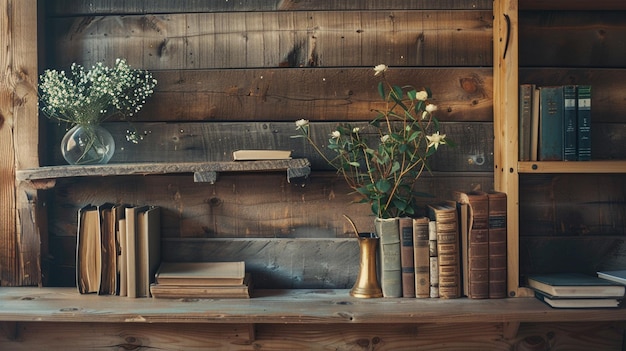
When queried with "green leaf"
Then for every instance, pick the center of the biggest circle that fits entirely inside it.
(381, 90)
(383, 185)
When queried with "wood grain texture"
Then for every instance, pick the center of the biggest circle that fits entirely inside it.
(275, 39)
(77, 7)
(588, 39)
(18, 144)
(422, 336)
(462, 94)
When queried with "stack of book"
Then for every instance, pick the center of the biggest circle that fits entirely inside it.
(576, 290)
(202, 280)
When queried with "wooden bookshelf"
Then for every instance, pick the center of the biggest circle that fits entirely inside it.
(300, 306)
(572, 167)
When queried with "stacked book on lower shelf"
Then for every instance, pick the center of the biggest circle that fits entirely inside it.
(576, 290)
(200, 280)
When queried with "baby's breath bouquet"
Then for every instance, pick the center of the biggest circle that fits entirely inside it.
(84, 98)
(91, 96)
(383, 171)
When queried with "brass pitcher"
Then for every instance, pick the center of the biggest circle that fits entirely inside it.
(366, 285)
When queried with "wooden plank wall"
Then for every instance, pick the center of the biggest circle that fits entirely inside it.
(239, 77)
(576, 222)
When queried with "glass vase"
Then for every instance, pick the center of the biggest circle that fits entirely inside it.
(86, 144)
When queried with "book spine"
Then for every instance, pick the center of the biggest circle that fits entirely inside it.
(478, 246)
(421, 257)
(570, 130)
(525, 111)
(497, 245)
(534, 125)
(584, 122)
(433, 259)
(405, 225)
(390, 265)
(551, 124)
(447, 227)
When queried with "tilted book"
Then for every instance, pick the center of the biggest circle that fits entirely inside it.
(201, 273)
(421, 257)
(497, 245)
(389, 248)
(447, 227)
(551, 123)
(88, 250)
(405, 225)
(525, 118)
(476, 245)
(570, 285)
(618, 276)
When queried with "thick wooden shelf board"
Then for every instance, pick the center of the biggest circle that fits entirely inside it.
(203, 171)
(28, 304)
(572, 167)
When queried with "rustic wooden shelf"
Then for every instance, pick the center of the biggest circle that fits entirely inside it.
(572, 167)
(203, 171)
(31, 304)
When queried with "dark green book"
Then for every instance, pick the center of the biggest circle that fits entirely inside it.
(570, 285)
(578, 302)
(570, 130)
(551, 123)
(584, 122)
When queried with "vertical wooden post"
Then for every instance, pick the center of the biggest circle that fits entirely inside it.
(505, 124)
(19, 142)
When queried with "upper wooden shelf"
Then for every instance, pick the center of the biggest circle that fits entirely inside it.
(571, 167)
(203, 171)
(317, 306)
(574, 5)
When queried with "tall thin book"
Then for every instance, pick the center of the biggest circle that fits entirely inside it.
(571, 285)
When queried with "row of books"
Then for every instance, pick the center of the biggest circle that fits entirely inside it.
(458, 249)
(577, 290)
(202, 280)
(117, 249)
(554, 123)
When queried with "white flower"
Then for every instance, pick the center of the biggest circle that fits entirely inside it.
(335, 134)
(355, 130)
(431, 108)
(378, 69)
(302, 123)
(384, 138)
(435, 139)
(421, 95)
